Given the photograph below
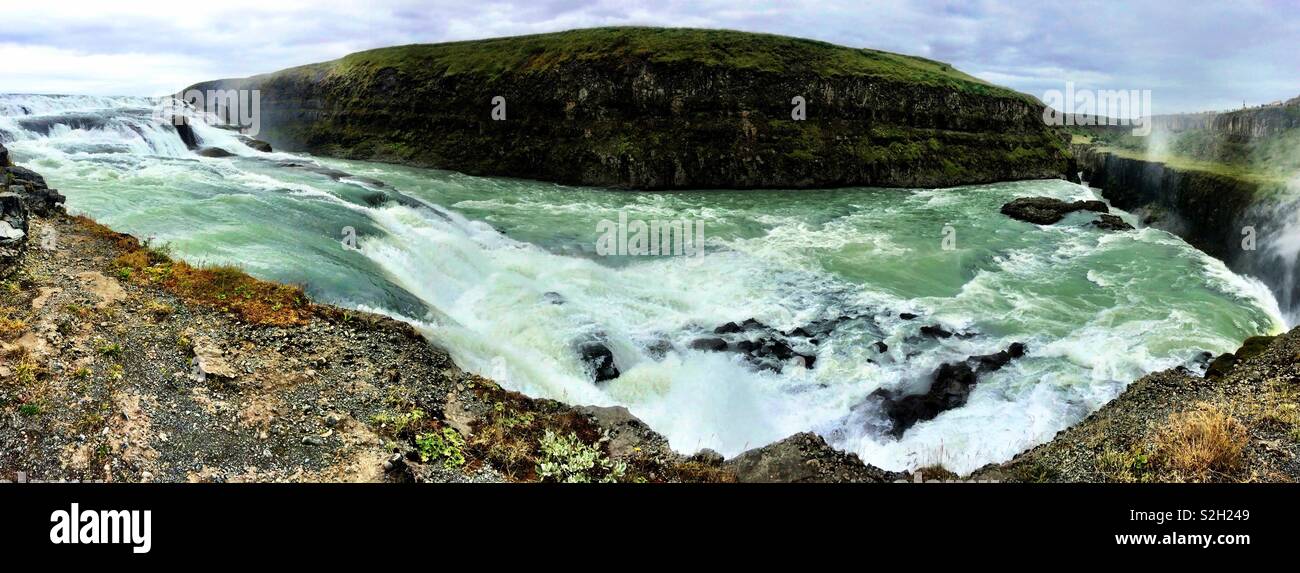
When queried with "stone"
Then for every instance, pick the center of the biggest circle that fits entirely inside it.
(210, 360)
(257, 144)
(1111, 223)
(214, 152)
(936, 331)
(709, 344)
(707, 457)
(1221, 365)
(599, 360)
(1047, 210)
(950, 387)
(107, 289)
(804, 457)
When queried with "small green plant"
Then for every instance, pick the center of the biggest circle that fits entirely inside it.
(446, 445)
(112, 350)
(29, 410)
(567, 459)
(397, 422)
(26, 370)
(115, 372)
(81, 373)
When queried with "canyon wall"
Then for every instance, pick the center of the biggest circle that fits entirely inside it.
(649, 108)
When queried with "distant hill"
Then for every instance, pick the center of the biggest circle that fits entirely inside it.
(654, 108)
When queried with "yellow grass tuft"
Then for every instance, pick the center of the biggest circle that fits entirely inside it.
(1199, 444)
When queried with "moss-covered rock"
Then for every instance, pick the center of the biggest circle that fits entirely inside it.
(662, 108)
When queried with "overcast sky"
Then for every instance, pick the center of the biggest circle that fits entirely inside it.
(1192, 55)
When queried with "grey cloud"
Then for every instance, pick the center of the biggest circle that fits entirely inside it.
(1193, 55)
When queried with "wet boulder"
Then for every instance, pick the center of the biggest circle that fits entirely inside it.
(1221, 365)
(950, 387)
(186, 132)
(1111, 223)
(767, 348)
(257, 144)
(936, 331)
(709, 344)
(599, 360)
(215, 152)
(40, 199)
(1046, 210)
(995, 361)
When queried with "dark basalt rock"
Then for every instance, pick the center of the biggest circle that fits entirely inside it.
(13, 231)
(186, 133)
(995, 361)
(880, 346)
(214, 152)
(764, 347)
(1221, 365)
(257, 144)
(935, 331)
(950, 388)
(906, 315)
(4, 160)
(553, 297)
(1112, 223)
(728, 328)
(599, 360)
(710, 344)
(1046, 210)
(40, 199)
(26, 177)
(799, 332)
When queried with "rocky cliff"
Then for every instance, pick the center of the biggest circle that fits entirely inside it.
(1205, 208)
(1259, 122)
(661, 108)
